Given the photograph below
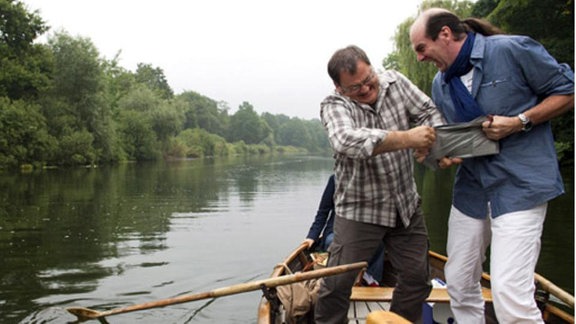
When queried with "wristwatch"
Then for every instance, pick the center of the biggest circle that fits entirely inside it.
(526, 123)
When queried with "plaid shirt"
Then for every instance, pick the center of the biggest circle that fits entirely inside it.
(376, 189)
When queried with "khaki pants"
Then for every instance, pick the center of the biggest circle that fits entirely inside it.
(407, 251)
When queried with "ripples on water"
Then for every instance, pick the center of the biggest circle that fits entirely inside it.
(129, 237)
(110, 238)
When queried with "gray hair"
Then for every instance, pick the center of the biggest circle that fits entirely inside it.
(345, 60)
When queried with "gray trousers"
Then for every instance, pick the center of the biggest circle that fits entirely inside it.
(407, 251)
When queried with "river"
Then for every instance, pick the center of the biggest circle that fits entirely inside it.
(109, 237)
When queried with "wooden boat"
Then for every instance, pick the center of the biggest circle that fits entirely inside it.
(557, 305)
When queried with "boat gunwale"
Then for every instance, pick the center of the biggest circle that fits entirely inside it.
(299, 255)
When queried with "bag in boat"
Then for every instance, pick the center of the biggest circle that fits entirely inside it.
(298, 298)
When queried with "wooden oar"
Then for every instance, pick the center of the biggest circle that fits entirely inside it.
(556, 291)
(85, 314)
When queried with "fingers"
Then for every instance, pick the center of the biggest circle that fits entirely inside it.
(498, 127)
(427, 136)
(420, 154)
(420, 137)
(447, 162)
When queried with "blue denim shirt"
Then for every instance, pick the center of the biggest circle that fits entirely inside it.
(511, 75)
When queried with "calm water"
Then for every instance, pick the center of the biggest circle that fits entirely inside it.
(110, 237)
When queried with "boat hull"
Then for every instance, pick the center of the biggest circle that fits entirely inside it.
(365, 300)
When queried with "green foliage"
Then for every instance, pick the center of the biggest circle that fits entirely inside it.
(154, 79)
(24, 136)
(76, 149)
(76, 102)
(258, 149)
(24, 66)
(117, 82)
(565, 152)
(403, 57)
(308, 134)
(138, 138)
(319, 138)
(139, 98)
(63, 105)
(78, 74)
(201, 111)
(166, 121)
(551, 22)
(482, 8)
(247, 126)
(193, 143)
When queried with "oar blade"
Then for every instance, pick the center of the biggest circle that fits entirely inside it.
(83, 313)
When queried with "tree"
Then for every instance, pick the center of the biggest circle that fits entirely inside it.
(139, 98)
(76, 149)
(76, 101)
(24, 137)
(203, 112)
(294, 133)
(154, 79)
(200, 143)
(482, 8)
(247, 126)
(24, 66)
(320, 141)
(551, 22)
(138, 138)
(118, 81)
(166, 122)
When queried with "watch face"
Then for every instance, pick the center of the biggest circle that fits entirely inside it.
(526, 123)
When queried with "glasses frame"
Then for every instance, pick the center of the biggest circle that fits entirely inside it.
(356, 87)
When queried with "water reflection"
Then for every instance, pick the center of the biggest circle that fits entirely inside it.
(110, 237)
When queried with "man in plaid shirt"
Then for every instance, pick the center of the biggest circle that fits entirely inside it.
(374, 124)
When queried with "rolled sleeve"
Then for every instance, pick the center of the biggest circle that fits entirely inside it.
(542, 72)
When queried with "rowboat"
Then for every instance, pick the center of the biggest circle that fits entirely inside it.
(369, 303)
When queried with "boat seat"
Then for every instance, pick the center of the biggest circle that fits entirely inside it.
(437, 295)
(385, 317)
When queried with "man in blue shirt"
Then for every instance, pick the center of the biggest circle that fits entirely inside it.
(498, 200)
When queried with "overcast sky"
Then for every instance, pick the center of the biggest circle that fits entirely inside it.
(272, 54)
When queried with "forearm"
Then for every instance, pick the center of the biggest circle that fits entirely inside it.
(549, 108)
(395, 140)
(553, 106)
(417, 138)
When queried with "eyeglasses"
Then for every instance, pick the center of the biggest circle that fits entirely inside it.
(356, 87)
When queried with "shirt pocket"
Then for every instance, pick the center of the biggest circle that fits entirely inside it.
(497, 96)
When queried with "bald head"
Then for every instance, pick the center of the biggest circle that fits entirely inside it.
(421, 22)
(437, 36)
(432, 21)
